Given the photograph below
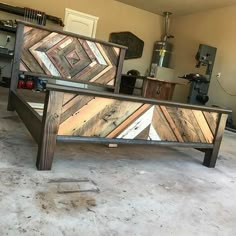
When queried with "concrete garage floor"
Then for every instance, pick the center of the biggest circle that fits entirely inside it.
(144, 190)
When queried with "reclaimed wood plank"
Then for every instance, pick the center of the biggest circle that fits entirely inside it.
(211, 119)
(203, 125)
(172, 124)
(128, 121)
(195, 124)
(162, 126)
(107, 119)
(30, 118)
(144, 134)
(72, 106)
(69, 126)
(211, 155)
(32, 37)
(138, 126)
(50, 125)
(184, 124)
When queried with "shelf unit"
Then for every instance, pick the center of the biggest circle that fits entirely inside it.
(8, 28)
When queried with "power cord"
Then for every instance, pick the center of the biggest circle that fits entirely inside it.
(230, 94)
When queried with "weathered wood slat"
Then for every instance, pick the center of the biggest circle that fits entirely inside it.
(128, 121)
(50, 125)
(203, 125)
(99, 117)
(144, 134)
(184, 124)
(68, 97)
(31, 37)
(69, 126)
(161, 125)
(69, 57)
(137, 127)
(172, 124)
(31, 119)
(73, 106)
(211, 119)
(194, 124)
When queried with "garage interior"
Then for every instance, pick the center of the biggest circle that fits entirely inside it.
(92, 188)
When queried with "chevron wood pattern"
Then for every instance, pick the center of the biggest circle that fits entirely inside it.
(74, 58)
(109, 118)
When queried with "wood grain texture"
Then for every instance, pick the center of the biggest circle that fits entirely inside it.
(70, 57)
(211, 155)
(73, 105)
(50, 125)
(212, 120)
(203, 125)
(32, 120)
(194, 124)
(98, 117)
(162, 126)
(112, 118)
(128, 121)
(172, 124)
(182, 119)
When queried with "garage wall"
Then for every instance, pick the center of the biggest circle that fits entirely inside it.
(113, 17)
(215, 28)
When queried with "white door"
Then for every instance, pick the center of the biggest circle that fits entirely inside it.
(80, 23)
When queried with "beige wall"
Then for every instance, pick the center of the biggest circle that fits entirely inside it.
(215, 28)
(113, 17)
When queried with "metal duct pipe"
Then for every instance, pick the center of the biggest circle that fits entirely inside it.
(167, 24)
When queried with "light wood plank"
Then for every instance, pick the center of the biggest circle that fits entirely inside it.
(194, 124)
(184, 124)
(211, 119)
(203, 125)
(161, 126)
(128, 121)
(107, 119)
(172, 124)
(76, 103)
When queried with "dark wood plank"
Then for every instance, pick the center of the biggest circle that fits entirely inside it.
(50, 125)
(119, 70)
(19, 22)
(87, 92)
(15, 65)
(211, 155)
(30, 118)
(31, 37)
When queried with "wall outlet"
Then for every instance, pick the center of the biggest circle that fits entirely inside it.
(8, 38)
(218, 75)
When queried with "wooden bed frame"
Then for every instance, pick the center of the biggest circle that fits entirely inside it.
(71, 114)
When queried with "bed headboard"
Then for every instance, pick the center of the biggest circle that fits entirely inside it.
(64, 55)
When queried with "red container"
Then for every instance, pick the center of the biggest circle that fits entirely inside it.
(29, 84)
(21, 84)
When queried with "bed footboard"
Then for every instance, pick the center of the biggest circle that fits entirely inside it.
(77, 115)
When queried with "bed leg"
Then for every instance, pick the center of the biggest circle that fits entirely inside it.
(49, 130)
(211, 155)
